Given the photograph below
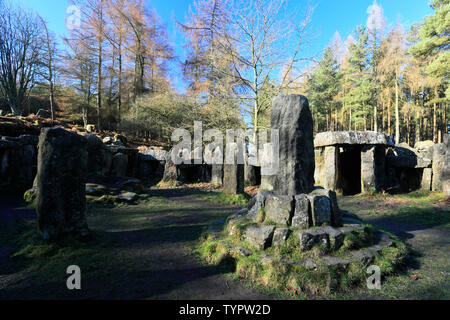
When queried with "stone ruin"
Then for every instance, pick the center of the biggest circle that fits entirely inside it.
(295, 207)
(362, 162)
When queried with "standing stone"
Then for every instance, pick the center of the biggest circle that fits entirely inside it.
(427, 179)
(446, 169)
(302, 219)
(217, 174)
(438, 166)
(331, 167)
(292, 117)
(61, 199)
(119, 165)
(280, 237)
(233, 178)
(320, 210)
(372, 168)
(99, 156)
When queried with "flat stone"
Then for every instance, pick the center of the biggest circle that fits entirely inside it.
(235, 224)
(335, 236)
(335, 261)
(311, 238)
(280, 237)
(243, 252)
(280, 209)
(260, 236)
(364, 256)
(342, 138)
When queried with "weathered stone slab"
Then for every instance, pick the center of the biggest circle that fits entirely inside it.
(311, 238)
(119, 165)
(258, 202)
(405, 157)
(280, 237)
(335, 236)
(302, 213)
(233, 178)
(427, 179)
(292, 117)
(364, 256)
(336, 262)
(280, 209)
(341, 138)
(438, 166)
(336, 215)
(217, 174)
(320, 210)
(373, 173)
(445, 177)
(260, 236)
(330, 169)
(61, 198)
(128, 197)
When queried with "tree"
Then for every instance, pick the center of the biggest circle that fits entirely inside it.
(323, 88)
(391, 65)
(47, 61)
(358, 97)
(19, 55)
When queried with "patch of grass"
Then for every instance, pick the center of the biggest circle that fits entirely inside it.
(240, 200)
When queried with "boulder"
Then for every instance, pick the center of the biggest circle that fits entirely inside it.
(403, 156)
(107, 140)
(260, 236)
(292, 117)
(61, 197)
(342, 138)
(280, 209)
(302, 212)
(425, 148)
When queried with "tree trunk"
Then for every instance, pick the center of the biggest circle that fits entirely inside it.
(397, 115)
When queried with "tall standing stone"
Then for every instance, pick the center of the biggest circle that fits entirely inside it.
(331, 170)
(233, 178)
(373, 168)
(292, 117)
(438, 166)
(446, 168)
(61, 199)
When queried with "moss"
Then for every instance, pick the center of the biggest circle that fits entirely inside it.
(261, 215)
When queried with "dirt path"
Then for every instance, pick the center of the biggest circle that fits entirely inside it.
(154, 261)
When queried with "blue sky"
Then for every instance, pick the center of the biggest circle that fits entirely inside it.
(330, 16)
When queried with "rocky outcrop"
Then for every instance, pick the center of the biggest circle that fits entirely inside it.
(292, 117)
(61, 198)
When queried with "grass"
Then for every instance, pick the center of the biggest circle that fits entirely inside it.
(429, 209)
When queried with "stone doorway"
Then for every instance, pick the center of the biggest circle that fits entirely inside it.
(349, 177)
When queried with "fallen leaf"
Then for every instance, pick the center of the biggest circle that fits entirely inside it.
(415, 276)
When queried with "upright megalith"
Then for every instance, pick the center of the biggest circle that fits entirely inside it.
(445, 177)
(292, 117)
(61, 198)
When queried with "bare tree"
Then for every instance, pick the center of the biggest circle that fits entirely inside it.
(47, 62)
(19, 55)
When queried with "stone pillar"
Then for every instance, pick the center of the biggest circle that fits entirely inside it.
(233, 178)
(426, 179)
(331, 155)
(61, 199)
(119, 165)
(372, 168)
(292, 117)
(217, 174)
(438, 166)
(446, 168)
